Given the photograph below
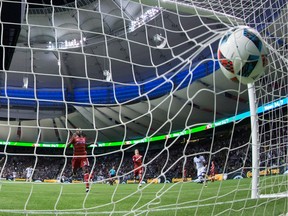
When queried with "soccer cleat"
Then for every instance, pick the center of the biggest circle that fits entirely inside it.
(87, 190)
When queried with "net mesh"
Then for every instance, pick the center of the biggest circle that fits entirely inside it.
(138, 74)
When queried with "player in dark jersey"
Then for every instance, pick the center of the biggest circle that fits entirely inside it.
(112, 174)
(80, 160)
(138, 169)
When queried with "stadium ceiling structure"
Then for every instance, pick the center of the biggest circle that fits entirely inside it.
(58, 61)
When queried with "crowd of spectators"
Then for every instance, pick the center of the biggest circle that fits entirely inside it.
(229, 151)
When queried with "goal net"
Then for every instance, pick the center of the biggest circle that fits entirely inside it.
(144, 75)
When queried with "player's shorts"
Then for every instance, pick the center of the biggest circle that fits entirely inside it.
(138, 171)
(79, 162)
(111, 176)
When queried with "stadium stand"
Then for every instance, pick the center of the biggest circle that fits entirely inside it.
(233, 154)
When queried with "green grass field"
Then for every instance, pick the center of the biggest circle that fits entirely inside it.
(231, 197)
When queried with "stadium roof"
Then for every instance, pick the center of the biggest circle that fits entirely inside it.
(139, 64)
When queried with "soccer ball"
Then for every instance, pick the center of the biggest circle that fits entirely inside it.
(242, 55)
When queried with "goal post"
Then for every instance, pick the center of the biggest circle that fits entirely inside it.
(255, 143)
(254, 140)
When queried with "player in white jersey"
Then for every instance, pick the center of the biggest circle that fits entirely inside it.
(29, 171)
(201, 166)
(14, 175)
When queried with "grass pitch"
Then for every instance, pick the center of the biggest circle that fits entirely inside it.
(231, 197)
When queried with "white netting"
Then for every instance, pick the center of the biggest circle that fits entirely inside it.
(138, 74)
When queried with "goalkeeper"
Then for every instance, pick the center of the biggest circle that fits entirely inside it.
(80, 160)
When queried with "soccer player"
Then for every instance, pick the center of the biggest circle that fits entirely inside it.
(138, 169)
(212, 171)
(14, 175)
(200, 163)
(80, 160)
(112, 174)
(184, 175)
(29, 172)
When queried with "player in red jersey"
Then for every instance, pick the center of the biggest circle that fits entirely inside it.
(184, 175)
(138, 169)
(212, 171)
(80, 160)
